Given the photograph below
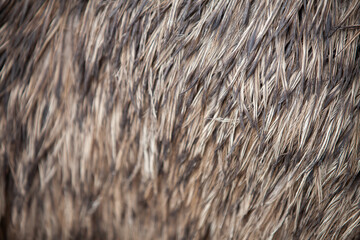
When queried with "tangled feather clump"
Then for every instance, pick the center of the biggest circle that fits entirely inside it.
(180, 119)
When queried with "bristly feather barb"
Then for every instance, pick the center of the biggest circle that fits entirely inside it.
(180, 119)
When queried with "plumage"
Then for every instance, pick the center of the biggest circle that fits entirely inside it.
(190, 119)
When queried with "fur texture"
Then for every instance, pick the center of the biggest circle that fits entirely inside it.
(180, 119)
